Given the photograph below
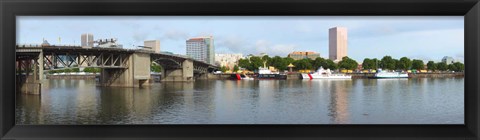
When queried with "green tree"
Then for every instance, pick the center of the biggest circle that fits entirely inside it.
(302, 64)
(431, 66)
(452, 67)
(244, 63)
(347, 63)
(155, 68)
(376, 63)
(255, 63)
(331, 65)
(387, 62)
(279, 63)
(459, 66)
(235, 68)
(397, 64)
(442, 66)
(288, 60)
(417, 64)
(404, 63)
(223, 68)
(319, 62)
(266, 59)
(368, 63)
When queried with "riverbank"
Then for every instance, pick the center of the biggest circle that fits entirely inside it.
(72, 76)
(296, 75)
(292, 75)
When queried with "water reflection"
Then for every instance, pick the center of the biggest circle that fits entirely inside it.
(357, 101)
(338, 106)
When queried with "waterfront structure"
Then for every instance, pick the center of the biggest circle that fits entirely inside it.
(45, 43)
(228, 60)
(303, 55)
(337, 43)
(448, 60)
(152, 45)
(119, 67)
(108, 43)
(201, 49)
(87, 40)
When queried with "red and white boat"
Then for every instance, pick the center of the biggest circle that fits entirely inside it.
(325, 74)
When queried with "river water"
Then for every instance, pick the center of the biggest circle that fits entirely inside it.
(356, 101)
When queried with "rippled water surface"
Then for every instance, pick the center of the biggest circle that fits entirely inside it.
(357, 101)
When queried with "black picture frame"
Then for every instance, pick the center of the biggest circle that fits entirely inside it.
(470, 9)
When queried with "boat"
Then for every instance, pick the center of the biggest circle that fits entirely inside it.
(324, 74)
(385, 74)
(240, 77)
(265, 73)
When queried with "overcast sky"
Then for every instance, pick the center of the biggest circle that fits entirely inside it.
(420, 37)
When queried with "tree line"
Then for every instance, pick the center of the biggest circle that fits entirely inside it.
(387, 62)
(281, 63)
(405, 63)
(88, 69)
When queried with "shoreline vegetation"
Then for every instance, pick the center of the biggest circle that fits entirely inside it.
(386, 63)
(346, 65)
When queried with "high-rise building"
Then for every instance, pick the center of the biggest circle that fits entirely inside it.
(87, 40)
(228, 60)
(337, 43)
(303, 55)
(202, 49)
(153, 44)
(448, 60)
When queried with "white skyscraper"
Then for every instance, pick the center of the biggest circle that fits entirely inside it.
(337, 43)
(202, 49)
(87, 40)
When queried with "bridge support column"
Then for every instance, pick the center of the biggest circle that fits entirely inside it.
(31, 82)
(183, 74)
(137, 74)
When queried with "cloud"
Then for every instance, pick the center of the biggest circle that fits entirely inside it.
(237, 44)
(264, 46)
(303, 27)
(140, 36)
(174, 34)
(460, 57)
(231, 43)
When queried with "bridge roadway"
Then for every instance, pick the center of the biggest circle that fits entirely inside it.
(119, 67)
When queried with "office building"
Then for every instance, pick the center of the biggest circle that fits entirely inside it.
(337, 43)
(228, 60)
(303, 55)
(448, 60)
(87, 40)
(201, 49)
(153, 45)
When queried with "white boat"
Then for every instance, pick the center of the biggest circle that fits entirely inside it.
(386, 74)
(325, 74)
(241, 77)
(265, 73)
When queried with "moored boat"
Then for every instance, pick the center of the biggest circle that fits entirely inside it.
(385, 74)
(324, 74)
(265, 73)
(240, 77)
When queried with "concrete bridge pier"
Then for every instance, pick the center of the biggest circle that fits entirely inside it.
(30, 81)
(185, 73)
(204, 76)
(136, 74)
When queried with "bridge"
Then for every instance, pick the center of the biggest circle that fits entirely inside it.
(119, 67)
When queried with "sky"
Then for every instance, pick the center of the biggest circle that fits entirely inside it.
(417, 37)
